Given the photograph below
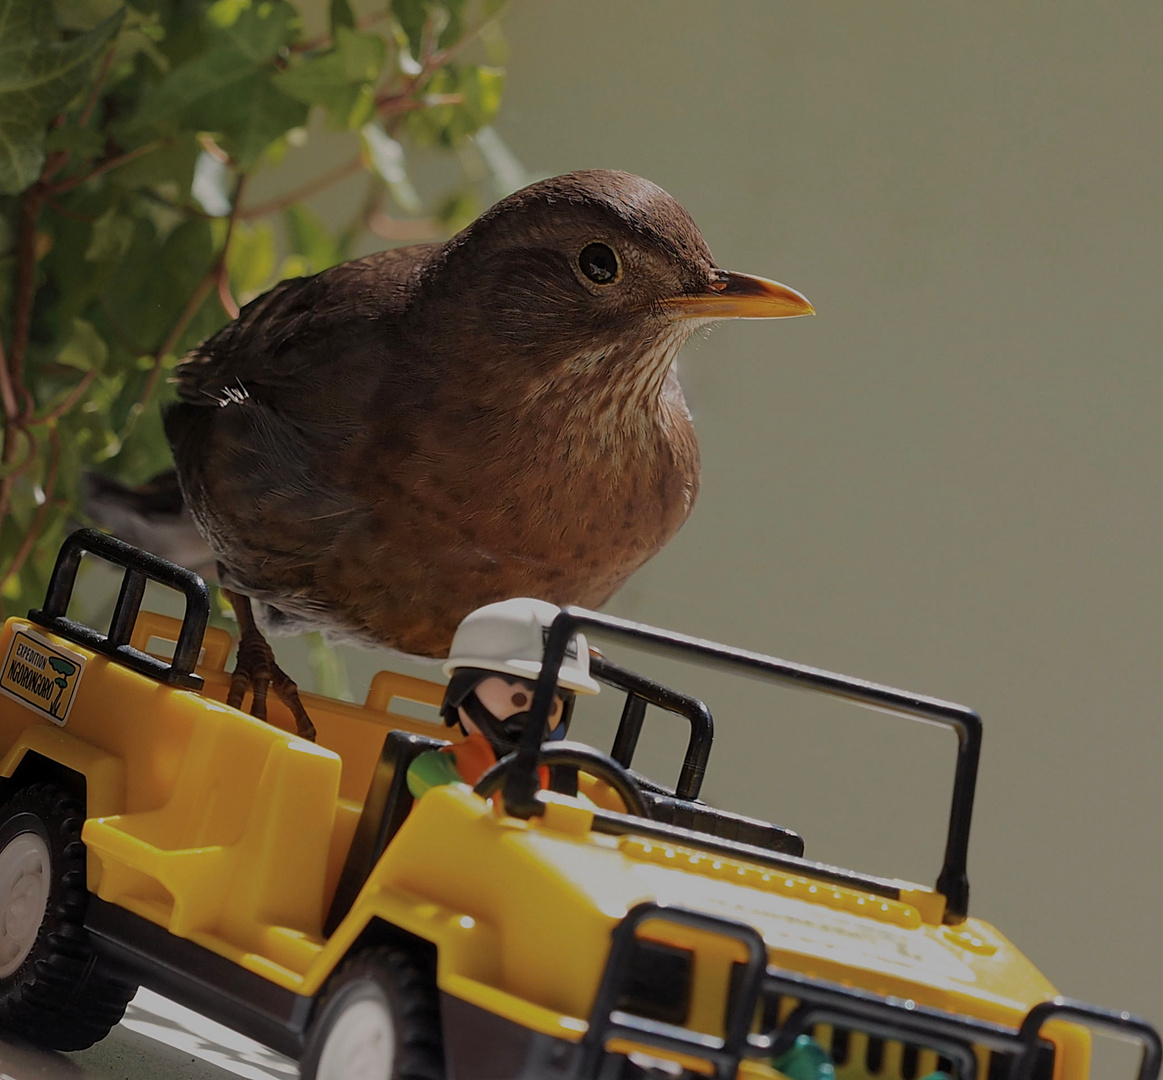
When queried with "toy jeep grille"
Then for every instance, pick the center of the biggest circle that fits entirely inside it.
(870, 1036)
(859, 1056)
(858, 1052)
(658, 984)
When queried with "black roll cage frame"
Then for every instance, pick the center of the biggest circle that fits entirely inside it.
(139, 568)
(640, 692)
(521, 782)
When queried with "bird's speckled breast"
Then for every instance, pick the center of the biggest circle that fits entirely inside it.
(564, 513)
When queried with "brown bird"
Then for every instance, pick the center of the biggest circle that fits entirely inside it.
(381, 448)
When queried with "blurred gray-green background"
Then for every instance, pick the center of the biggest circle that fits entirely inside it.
(949, 480)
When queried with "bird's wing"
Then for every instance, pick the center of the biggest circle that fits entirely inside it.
(298, 338)
(269, 403)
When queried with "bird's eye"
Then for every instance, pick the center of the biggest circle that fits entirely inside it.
(599, 263)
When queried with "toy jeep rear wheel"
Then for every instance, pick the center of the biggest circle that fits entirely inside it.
(379, 1019)
(55, 992)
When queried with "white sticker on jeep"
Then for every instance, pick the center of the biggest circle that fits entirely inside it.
(41, 674)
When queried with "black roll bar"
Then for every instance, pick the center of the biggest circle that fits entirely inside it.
(521, 782)
(140, 567)
(641, 691)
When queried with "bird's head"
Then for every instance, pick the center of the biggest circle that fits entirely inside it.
(593, 272)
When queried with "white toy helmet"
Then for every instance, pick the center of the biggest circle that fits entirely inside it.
(509, 637)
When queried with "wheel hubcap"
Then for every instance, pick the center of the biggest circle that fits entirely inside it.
(361, 1045)
(24, 886)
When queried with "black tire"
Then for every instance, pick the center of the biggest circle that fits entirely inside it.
(407, 1045)
(60, 995)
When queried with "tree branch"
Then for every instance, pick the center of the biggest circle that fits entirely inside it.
(225, 296)
(66, 406)
(25, 283)
(437, 59)
(17, 469)
(7, 393)
(312, 187)
(37, 524)
(63, 186)
(12, 428)
(395, 104)
(209, 280)
(324, 40)
(95, 93)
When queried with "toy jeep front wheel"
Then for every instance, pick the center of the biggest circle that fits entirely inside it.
(54, 991)
(378, 1020)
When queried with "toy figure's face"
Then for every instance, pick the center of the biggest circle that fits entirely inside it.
(499, 709)
(505, 697)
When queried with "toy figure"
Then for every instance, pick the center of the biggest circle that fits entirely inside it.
(492, 666)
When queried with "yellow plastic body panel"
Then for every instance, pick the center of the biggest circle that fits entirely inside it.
(232, 832)
(221, 828)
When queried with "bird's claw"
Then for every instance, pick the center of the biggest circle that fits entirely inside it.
(256, 669)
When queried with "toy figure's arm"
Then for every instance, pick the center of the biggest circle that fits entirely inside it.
(432, 769)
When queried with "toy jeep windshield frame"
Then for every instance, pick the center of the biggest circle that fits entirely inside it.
(140, 567)
(520, 784)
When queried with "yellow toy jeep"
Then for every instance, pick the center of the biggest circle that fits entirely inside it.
(150, 834)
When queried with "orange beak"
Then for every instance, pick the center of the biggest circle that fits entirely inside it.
(740, 296)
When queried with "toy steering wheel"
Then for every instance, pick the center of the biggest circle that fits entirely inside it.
(579, 756)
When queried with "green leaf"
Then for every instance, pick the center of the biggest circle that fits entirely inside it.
(112, 234)
(156, 280)
(363, 54)
(84, 142)
(444, 21)
(134, 41)
(340, 80)
(318, 80)
(76, 281)
(245, 39)
(251, 258)
(253, 116)
(258, 29)
(39, 76)
(482, 88)
(83, 14)
(180, 94)
(170, 166)
(479, 89)
(85, 348)
(328, 669)
(341, 16)
(225, 13)
(411, 14)
(120, 256)
(457, 210)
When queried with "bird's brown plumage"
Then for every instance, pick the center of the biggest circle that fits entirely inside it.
(382, 448)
